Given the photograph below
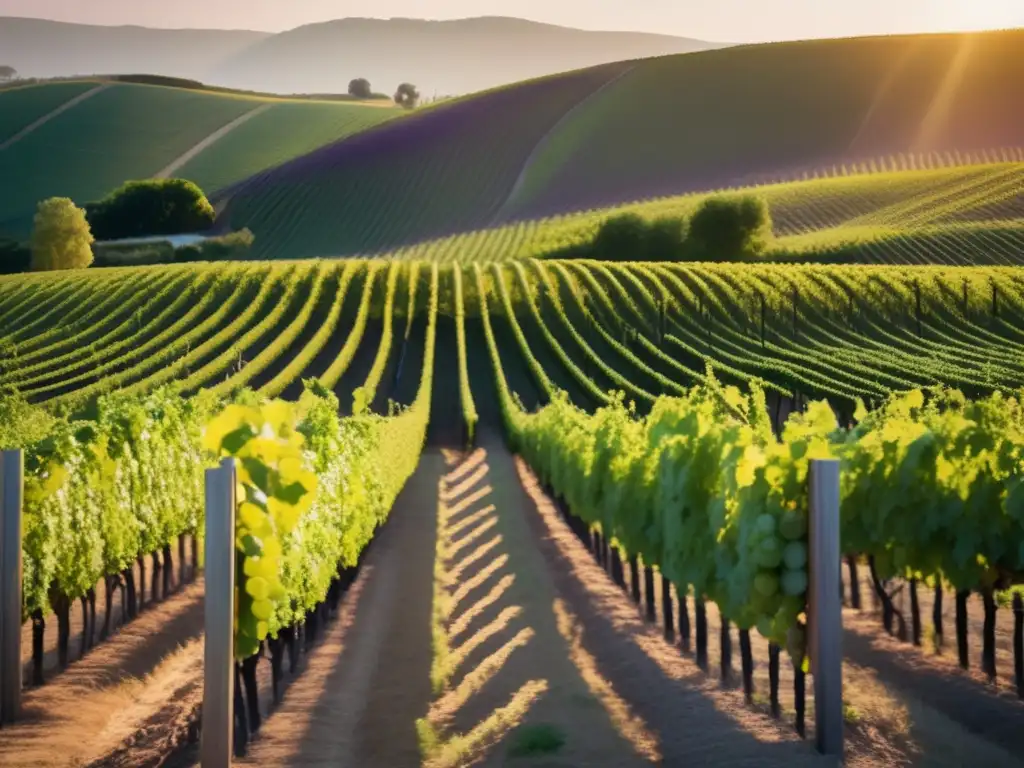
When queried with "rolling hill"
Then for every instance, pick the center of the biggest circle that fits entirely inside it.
(648, 129)
(443, 57)
(114, 132)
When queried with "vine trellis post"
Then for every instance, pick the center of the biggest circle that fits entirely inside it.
(12, 474)
(217, 737)
(825, 618)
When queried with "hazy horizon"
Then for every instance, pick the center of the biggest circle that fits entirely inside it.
(737, 21)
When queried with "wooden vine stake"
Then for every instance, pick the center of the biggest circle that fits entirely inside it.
(217, 737)
(825, 618)
(11, 489)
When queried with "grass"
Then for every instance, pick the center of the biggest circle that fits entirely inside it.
(536, 740)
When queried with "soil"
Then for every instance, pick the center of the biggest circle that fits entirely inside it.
(91, 707)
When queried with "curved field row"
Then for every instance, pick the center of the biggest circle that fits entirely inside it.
(585, 327)
(963, 215)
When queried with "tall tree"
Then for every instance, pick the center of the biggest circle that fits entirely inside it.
(7, 72)
(360, 88)
(61, 238)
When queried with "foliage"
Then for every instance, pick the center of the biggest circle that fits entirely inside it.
(61, 238)
(629, 237)
(7, 72)
(234, 245)
(730, 228)
(360, 88)
(151, 207)
(279, 487)
(407, 96)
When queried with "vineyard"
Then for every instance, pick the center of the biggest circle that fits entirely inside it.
(492, 491)
(377, 359)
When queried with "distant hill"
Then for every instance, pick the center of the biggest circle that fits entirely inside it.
(442, 57)
(41, 48)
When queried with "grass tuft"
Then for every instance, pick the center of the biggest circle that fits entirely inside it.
(533, 740)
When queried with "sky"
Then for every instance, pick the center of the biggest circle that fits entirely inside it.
(719, 20)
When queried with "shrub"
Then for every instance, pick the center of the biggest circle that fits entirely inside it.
(133, 256)
(665, 239)
(360, 88)
(730, 228)
(231, 246)
(61, 238)
(628, 237)
(151, 207)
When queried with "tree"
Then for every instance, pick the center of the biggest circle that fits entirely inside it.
(730, 228)
(61, 238)
(151, 207)
(7, 73)
(407, 96)
(665, 239)
(628, 237)
(360, 88)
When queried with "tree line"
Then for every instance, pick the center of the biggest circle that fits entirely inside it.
(406, 96)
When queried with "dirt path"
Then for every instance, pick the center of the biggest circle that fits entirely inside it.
(515, 674)
(50, 636)
(95, 703)
(213, 137)
(51, 115)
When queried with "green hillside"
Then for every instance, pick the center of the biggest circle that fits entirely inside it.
(727, 117)
(20, 107)
(130, 131)
(664, 127)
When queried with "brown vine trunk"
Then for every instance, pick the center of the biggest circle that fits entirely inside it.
(988, 647)
(774, 652)
(38, 637)
(634, 579)
(851, 565)
(915, 614)
(652, 613)
(666, 608)
(961, 628)
(140, 596)
(747, 662)
(168, 571)
(701, 630)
